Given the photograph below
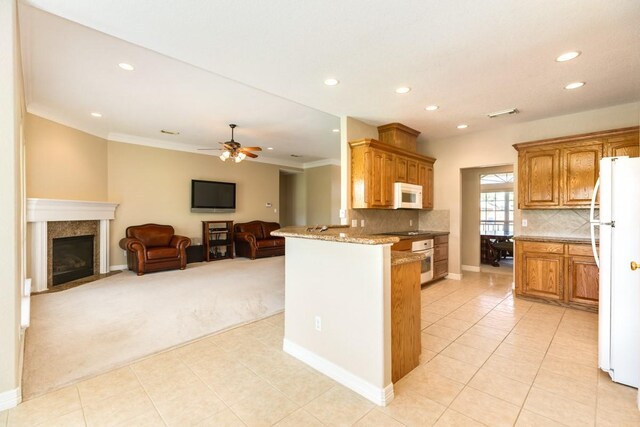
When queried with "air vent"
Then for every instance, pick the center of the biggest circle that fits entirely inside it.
(503, 113)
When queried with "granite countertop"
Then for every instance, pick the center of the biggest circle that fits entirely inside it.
(424, 236)
(342, 234)
(558, 239)
(404, 257)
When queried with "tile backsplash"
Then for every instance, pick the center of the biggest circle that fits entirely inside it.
(384, 220)
(556, 222)
(436, 220)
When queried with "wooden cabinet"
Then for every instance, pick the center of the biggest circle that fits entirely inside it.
(440, 256)
(564, 273)
(376, 166)
(217, 240)
(561, 172)
(580, 173)
(405, 319)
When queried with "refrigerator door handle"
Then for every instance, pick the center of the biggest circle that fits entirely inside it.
(593, 222)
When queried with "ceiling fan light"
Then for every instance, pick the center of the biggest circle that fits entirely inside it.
(222, 157)
(226, 155)
(237, 159)
(242, 156)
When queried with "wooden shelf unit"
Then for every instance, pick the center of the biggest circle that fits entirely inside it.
(217, 240)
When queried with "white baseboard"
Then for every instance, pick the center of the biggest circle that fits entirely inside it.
(454, 276)
(471, 268)
(10, 399)
(379, 396)
(118, 267)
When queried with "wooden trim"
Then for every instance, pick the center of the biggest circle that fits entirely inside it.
(398, 126)
(374, 143)
(576, 138)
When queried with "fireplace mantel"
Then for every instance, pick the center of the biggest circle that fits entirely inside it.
(41, 211)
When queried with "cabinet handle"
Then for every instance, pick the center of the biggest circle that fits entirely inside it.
(634, 266)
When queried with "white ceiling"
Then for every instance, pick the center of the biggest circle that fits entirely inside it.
(262, 64)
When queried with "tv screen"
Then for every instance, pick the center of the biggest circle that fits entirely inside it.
(212, 196)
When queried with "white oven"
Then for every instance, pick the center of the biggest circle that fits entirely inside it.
(407, 196)
(425, 247)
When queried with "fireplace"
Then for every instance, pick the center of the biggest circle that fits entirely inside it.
(72, 258)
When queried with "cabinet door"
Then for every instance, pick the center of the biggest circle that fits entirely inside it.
(540, 178)
(580, 173)
(376, 181)
(626, 145)
(425, 178)
(400, 169)
(541, 275)
(412, 171)
(583, 280)
(387, 180)
(440, 252)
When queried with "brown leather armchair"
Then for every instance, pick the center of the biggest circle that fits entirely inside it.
(254, 240)
(154, 247)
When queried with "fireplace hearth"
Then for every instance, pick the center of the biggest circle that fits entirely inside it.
(72, 258)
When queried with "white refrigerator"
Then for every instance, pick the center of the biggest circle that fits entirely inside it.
(619, 232)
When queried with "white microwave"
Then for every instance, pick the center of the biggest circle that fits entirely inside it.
(407, 196)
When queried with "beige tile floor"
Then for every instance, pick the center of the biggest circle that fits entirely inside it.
(487, 360)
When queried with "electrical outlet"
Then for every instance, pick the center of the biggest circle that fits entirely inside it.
(354, 222)
(524, 222)
(410, 222)
(275, 211)
(362, 223)
(343, 213)
(318, 323)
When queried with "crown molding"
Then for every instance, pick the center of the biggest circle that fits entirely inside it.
(318, 163)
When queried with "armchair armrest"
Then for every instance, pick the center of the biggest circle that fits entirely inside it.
(131, 244)
(246, 237)
(180, 242)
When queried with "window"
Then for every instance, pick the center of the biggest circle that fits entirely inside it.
(496, 203)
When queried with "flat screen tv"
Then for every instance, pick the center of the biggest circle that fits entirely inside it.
(213, 196)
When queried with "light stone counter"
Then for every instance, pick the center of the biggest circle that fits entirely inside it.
(403, 257)
(555, 239)
(335, 234)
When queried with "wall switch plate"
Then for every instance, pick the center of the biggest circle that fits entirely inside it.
(275, 211)
(410, 222)
(362, 223)
(318, 322)
(354, 222)
(343, 213)
(524, 223)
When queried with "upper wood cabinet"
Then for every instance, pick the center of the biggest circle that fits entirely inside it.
(375, 166)
(561, 172)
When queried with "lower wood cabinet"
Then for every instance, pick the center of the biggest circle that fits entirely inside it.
(440, 256)
(405, 319)
(563, 273)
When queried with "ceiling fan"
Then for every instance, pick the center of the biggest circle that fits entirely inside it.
(234, 150)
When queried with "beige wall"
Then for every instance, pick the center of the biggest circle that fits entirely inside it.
(323, 195)
(64, 163)
(494, 147)
(293, 199)
(11, 206)
(154, 185)
(470, 231)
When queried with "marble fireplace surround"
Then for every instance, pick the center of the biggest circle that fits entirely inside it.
(42, 211)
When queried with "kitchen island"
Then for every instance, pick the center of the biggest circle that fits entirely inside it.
(338, 307)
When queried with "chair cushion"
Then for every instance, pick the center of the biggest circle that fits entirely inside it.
(268, 227)
(162, 253)
(152, 234)
(270, 243)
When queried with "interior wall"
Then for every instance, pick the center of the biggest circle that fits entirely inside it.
(322, 187)
(153, 185)
(494, 147)
(64, 163)
(12, 232)
(293, 199)
(470, 231)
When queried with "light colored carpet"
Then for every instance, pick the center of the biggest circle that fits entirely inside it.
(93, 328)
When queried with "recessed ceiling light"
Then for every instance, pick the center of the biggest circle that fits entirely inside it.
(331, 82)
(403, 89)
(568, 56)
(335, 130)
(269, 148)
(574, 85)
(463, 126)
(125, 66)
(431, 107)
(96, 115)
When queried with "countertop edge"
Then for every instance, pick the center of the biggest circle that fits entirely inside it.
(558, 239)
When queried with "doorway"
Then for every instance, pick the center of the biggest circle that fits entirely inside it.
(487, 218)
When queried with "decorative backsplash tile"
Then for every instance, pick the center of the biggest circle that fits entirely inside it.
(436, 220)
(556, 222)
(384, 220)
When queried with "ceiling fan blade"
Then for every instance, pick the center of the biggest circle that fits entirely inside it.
(251, 149)
(250, 154)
